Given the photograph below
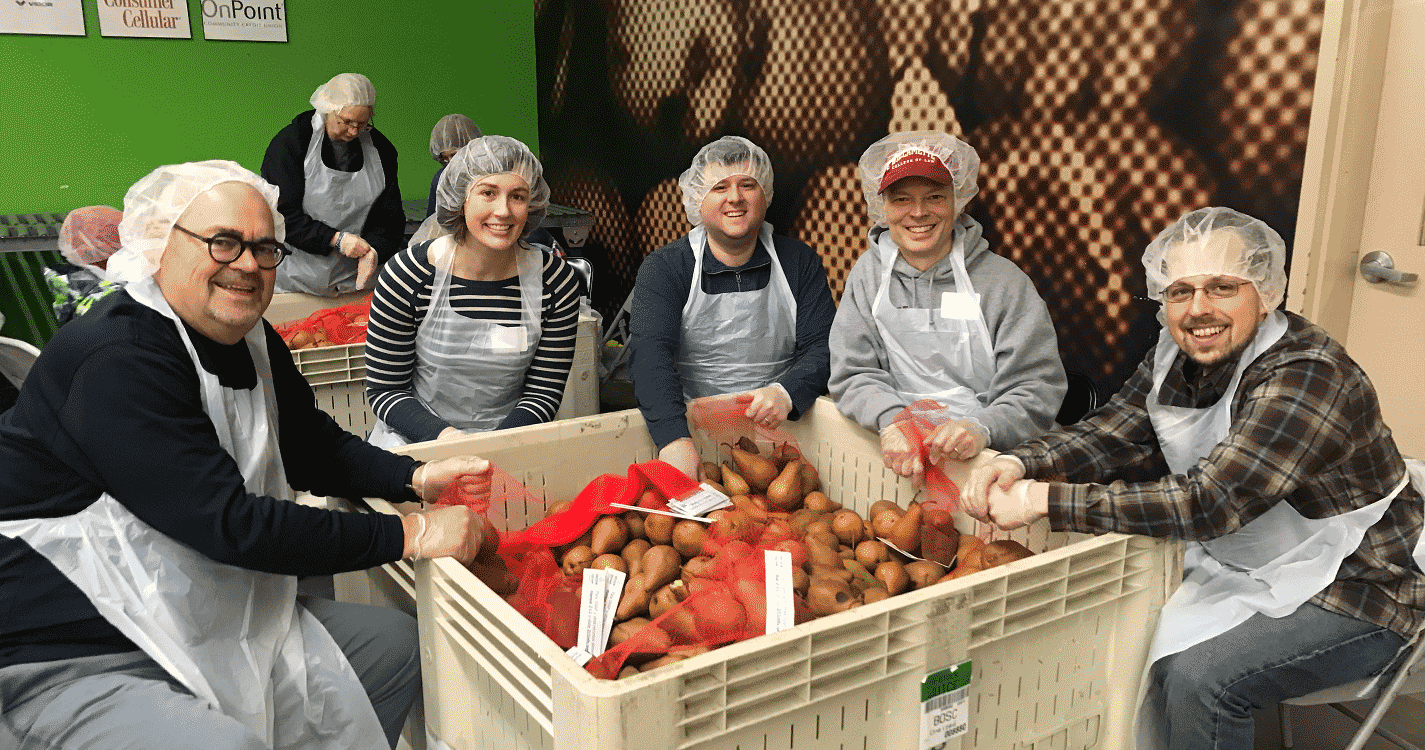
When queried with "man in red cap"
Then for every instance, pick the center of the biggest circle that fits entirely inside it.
(930, 315)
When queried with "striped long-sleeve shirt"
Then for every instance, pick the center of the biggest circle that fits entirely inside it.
(399, 306)
(1306, 429)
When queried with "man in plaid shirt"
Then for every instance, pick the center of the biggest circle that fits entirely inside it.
(1303, 567)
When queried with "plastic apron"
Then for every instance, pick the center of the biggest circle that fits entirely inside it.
(234, 637)
(736, 341)
(1271, 565)
(471, 373)
(339, 199)
(945, 354)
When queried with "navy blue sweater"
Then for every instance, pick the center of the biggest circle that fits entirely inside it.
(113, 405)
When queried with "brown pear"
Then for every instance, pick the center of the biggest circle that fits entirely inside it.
(748, 444)
(758, 471)
(905, 532)
(784, 454)
(811, 478)
(712, 472)
(733, 482)
(785, 492)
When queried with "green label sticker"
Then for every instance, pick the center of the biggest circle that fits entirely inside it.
(944, 706)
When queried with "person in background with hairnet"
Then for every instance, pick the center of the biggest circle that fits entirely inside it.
(1303, 565)
(473, 330)
(148, 536)
(448, 136)
(87, 238)
(728, 308)
(932, 317)
(340, 196)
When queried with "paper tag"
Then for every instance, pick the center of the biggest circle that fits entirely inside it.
(508, 339)
(591, 610)
(703, 501)
(579, 655)
(944, 706)
(959, 306)
(780, 613)
(613, 583)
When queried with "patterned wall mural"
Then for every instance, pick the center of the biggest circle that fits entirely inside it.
(1098, 122)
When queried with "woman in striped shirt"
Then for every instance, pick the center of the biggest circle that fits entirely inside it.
(473, 330)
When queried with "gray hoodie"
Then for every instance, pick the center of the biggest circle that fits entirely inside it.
(1029, 382)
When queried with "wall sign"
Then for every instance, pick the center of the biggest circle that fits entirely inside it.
(166, 19)
(64, 17)
(246, 20)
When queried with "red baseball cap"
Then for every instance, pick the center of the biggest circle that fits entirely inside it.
(915, 162)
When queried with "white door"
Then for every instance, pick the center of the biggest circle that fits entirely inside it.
(1365, 191)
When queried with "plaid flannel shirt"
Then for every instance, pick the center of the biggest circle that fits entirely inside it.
(1306, 428)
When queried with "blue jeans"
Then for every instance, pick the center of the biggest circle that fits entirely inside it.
(126, 701)
(1208, 692)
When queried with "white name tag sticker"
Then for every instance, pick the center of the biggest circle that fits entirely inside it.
(508, 339)
(959, 306)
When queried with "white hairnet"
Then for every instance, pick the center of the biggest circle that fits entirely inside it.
(89, 235)
(724, 157)
(152, 206)
(487, 155)
(1218, 242)
(957, 156)
(342, 91)
(450, 133)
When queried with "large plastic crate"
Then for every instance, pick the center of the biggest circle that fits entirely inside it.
(337, 374)
(1057, 641)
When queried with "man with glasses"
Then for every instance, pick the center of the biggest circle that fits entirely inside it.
(1303, 567)
(149, 548)
(340, 196)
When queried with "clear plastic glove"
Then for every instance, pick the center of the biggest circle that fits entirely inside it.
(682, 454)
(366, 269)
(432, 478)
(1002, 472)
(900, 452)
(770, 406)
(447, 531)
(1026, 502)
(450, 433)
(960, 439)
(352, 246)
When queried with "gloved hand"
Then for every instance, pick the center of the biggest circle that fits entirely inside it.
(366, 269)
(1002, 472)
(431, 478)
(770, 406)
(450, 433)
(900, 452)
(352, 246)
(682, 454)
(1026, 502)
(447, 531)
(960, 439)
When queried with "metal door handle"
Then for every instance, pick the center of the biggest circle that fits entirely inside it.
(1377, 266)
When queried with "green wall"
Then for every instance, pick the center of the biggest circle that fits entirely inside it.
(83, 118)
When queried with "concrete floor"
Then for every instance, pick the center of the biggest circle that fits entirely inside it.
(1324, 728)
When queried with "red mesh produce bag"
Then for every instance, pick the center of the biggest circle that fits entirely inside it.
(917, 421)
(329, 327)
(724, 419)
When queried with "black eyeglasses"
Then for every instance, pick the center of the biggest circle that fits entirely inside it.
(1215, 288)
(226, 248)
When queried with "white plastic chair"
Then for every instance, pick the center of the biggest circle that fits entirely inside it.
(16, 356)
(1409, 678)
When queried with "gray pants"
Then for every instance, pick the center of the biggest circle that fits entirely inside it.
(123, 701)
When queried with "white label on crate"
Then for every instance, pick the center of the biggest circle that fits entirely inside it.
(944, 706)
(613, 582)
(780, 613)
(579, 655)
(591, 610)
(703, 501)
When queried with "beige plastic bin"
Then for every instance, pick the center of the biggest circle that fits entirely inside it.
(1057, 641)
(337, 374)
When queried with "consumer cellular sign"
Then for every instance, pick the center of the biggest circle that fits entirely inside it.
(156, 18)
(249, 20)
